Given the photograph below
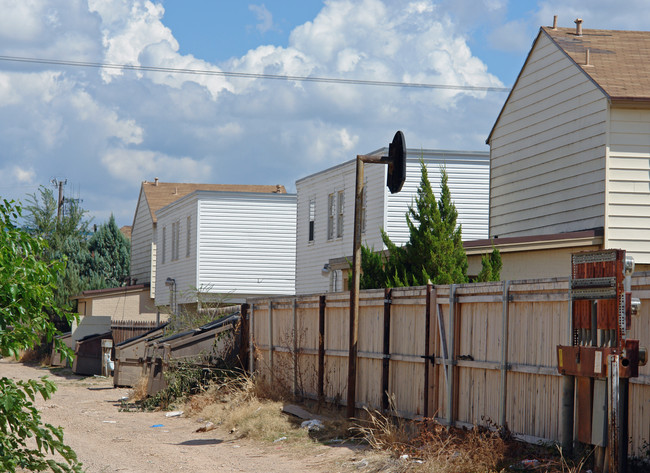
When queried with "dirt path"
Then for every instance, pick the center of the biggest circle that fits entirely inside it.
(108, 440)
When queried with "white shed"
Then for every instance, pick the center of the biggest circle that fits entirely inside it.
(232, 244)
(570, 150)
(326, 209)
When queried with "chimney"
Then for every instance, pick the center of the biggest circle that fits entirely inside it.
(554, 22)
(155, 183)
(578, 23)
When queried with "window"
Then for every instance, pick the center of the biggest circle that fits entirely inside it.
(331, 209)
(312, 218)
(189, 236)
(164, 244)
(176, 233)
(339, 215)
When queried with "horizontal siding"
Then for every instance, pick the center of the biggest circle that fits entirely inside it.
(628, 208)
(312, 256)
(183, 269)
(548, 150)
(142, 236)
(247, 244)
(468, 180)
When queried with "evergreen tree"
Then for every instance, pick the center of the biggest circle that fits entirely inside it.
(66, 238)
(490, 266)
(434, 251)
(109, 257)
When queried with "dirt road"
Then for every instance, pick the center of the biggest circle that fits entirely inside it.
(109, 440)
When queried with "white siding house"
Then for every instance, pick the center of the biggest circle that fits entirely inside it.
(325, 228)
(231, 244)
(154, 195)
(570, 150)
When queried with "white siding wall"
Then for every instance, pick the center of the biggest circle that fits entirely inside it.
(312, 256)
(182, 270)
(141, 238)
(548, 150)
(247, 243)
(469, 180)
(628, 192)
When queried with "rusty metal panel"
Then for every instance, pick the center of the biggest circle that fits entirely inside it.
(584, 408)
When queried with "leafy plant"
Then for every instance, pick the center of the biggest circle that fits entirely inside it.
(27, 295)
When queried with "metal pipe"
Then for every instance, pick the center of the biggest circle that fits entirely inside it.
(613, 414)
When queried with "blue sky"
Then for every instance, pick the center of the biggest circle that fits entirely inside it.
(107, 130)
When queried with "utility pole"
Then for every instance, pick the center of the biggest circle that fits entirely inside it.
(59, 184)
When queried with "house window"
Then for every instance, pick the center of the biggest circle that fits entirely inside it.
(331, 209)
(164, 244)
(176, 233)
(312, 218)
(189, 236)
(339, 214)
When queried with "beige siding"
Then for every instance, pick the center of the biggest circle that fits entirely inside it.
(312, 256)
(628, 190)
(126, 306)
(141, 238)
(548, 150)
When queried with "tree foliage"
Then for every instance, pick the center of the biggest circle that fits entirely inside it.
(27, 296)
(434, 251)
(109, 257)
(490, 266)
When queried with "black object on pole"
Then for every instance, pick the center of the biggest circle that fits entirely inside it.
(397, 163)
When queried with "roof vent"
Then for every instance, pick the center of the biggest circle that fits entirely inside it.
(578, 22)
(554, 22)
(155, 181)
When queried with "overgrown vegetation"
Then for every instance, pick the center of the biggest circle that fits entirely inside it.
(27, 296)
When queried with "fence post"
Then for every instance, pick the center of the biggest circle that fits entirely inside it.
(295, 347)
(244, 335)
(452, 354)
(429, 358)
(251, 340)
(388, 296)
(271, 338)
(504, 352)
(321, 348)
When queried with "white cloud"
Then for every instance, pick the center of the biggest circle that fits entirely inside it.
(264, 17)
(134, 166)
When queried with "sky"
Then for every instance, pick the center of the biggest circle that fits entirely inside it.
(104, 130)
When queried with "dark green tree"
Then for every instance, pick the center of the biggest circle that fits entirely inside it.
(27, 285)
(109, 257)
(66, 237)
(435, 250)
(491, 265)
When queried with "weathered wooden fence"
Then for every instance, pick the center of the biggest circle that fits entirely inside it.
(125, 329)
(465, 354)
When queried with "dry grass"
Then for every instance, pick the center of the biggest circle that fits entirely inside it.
(139, 391)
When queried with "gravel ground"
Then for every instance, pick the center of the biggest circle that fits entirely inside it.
(107, 439)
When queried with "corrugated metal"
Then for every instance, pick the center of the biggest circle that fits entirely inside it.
(548, 150)
(469, 180)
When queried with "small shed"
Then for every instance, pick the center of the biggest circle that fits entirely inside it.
(88, 354)
(204, 346)
(129, 357)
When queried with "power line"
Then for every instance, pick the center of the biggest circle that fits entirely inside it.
(249, 75)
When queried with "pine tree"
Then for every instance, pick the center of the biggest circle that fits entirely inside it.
(490, 266)
(435, 250)
(110, 256)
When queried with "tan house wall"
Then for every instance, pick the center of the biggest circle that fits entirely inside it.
(119, 306)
